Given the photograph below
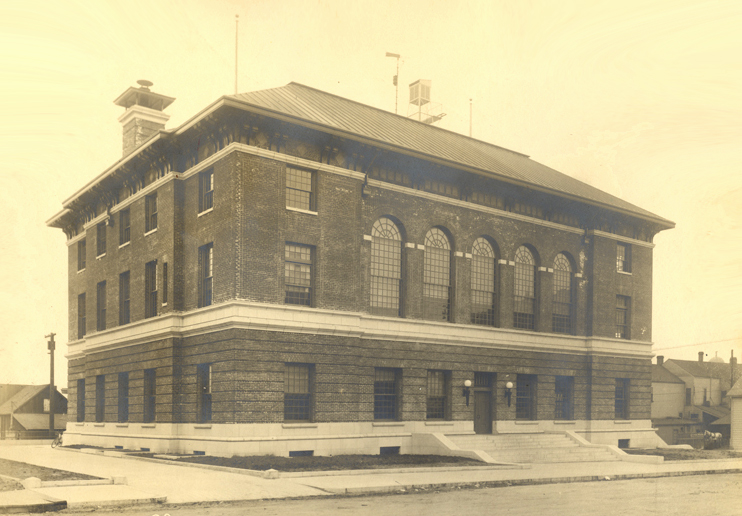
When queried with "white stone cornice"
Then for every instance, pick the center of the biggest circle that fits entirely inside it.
(145, 113)
(642, 243)
(289, 319)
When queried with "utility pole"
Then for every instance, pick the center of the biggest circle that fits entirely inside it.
(236, 38)
(51, 347)
(395, 80)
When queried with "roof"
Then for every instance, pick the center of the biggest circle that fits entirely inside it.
(717, 370)
(41, 421)
(670, 421)
(726, 420)
(352, 118)
(715, 411)
(21, 398)
(736, 391)
(662, 375)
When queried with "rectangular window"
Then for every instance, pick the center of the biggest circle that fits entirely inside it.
(623, 258)
(124, 226)
(81, 400)
(100, 311)
(205, 190)
(203, 381)
(150, 213)
(564, 391)
(150, 289)
(297, 397)
(149, 396)
(386, 387)
(525, 396)
(81, 252)
(298, 274)
(688, 397)
(100, 398)
(123, 397)
(124, 312)
(205, 274)
(299, 191)
(81, 313)
(100, 239)
(437, 395)
(623, 306)
(164, 283)
(622, 398)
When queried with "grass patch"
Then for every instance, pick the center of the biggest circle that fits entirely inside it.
(679, 454)
(334, 463)
(9, 485)
(21, 470)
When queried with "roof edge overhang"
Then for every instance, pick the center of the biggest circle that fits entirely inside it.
(230, 101)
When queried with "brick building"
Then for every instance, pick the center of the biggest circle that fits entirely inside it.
(291, 271)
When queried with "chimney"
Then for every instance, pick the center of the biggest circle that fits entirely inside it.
(660, 359)
(143, 116)
(700, 356)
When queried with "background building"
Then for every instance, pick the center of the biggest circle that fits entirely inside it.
(291, 271)
(24, 411)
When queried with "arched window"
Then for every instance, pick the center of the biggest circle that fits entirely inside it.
(525, 290)
(386, 267)
(437, 276)
(561, 314)
(482, 283)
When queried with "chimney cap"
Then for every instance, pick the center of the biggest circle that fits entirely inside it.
(145, 84)
(142, 96)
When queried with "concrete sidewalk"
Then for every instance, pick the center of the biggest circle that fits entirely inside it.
(150, 481)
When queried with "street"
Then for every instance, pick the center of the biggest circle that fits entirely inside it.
(713, 495)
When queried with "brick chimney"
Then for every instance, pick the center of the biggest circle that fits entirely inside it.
(660, 359)
(700, 356)
(143, 116)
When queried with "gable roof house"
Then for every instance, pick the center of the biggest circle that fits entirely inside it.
(24, 411)
(292, 271)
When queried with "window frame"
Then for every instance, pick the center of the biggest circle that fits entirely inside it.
(124, 298)
(623, 257)
(623, 317)
(438, 395)
(124, 226)
(437, 276)
(622, 399)
(564, 406)
(100, 239)
(483, 274)
(206, 275)
(149, 395)
(82, 327)
(386, 399)
(298, 289)
(80, 400)
(298, 198)
(150, 212)
(150, 289)
(206, 196)
(123, 397)
(298, 407)
(100, 398)
(100, 306)
(204, 379)
(82, 249)
(525, 290)
(562, 283)
(385, 289)
(526, 392)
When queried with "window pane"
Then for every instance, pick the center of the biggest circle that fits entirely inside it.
(482, 283)
(297, 394)
(436, 276)
(298, 189)
(385, 394)
(562, 302)
(386, 267)
(298, 274)
(436, 395)
(525, 292)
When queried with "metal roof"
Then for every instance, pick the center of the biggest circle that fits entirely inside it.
(662, 375)
(328, 110)
(41, 421)
(21, 398)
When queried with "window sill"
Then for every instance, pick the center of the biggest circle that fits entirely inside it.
(202, 426)
(299, 210)
(439, 423)
(164, 304)
(150, 232)
(532, 423)
(149, 425)
(299, 425)
(564, 422)
(100, 256)
(80, 270)
(124, 244)
(624, 273)
(387, 423)
(622, 422)
(99, 425)
(80, 423)
(206, 211)
(122, 425)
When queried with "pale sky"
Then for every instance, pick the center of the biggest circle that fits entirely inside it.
(640, 99)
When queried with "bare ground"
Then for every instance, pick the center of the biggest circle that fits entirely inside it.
(678, 454)
(21, 470)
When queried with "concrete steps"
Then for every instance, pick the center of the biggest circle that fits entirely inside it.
(533, 448)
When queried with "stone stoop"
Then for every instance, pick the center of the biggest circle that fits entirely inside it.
(533, 448)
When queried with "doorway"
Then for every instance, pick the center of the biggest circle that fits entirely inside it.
(483, 402)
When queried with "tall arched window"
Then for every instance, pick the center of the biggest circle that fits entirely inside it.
(482, 283)
(437, 276)
(525, 290)
(561, 314)
(386, 267)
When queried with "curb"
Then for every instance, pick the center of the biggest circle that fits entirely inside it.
(50, 506)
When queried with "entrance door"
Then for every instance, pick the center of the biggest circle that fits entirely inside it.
(482, 412)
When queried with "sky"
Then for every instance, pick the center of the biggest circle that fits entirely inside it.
(640, 99)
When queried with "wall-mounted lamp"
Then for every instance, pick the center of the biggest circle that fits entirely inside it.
(467, 384)
(508, 391)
